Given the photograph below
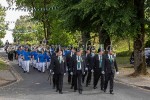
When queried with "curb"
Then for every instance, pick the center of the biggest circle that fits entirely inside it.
(9, 82)
(14, 73)
(133, 85)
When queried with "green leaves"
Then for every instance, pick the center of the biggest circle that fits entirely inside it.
(28, 30)
(3, 25)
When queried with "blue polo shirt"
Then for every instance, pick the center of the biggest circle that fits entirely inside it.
(18, 52)
(26, 55)
(42, 58)
(22, 52)
(68, 52)
(35, 55)
(48, 58)
(51, 51)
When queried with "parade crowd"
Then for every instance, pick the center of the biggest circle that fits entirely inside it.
(77, 64)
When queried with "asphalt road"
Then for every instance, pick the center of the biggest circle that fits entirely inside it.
(34, 86)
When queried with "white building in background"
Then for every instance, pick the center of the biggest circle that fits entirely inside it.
(11, 16)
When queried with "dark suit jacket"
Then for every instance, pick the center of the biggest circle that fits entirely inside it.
(86, 61)
(110, 67)
(74, 65)
(58, 68)
(96, 62)
(52, 60)
(69, 60)
(90, 62)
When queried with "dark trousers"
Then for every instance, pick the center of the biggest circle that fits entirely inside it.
(69, 77)
(98, 75)
(59, 82)
(78, 81)
(15, 53)
(54, 80)
(73, 81)
(109, 77)
(88, 81)
(10, 56)
(83, 77)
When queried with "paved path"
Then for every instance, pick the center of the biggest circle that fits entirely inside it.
(34, 86)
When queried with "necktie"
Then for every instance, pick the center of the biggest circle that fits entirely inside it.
(100, 61)
(78, 63)
(59, 59)
(71, 54)
(111, 58)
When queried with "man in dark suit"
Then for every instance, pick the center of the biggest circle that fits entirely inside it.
(51, 66)
(99, 69)
(78, 69)
(86, 63)
(90, 61)
(59, 68)
(69, 63)
(110, 67)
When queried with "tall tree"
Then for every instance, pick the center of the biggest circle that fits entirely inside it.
(27, 30)
(140, 65)
(42, 11)
(3, 25)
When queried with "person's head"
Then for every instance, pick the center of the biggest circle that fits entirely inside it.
(100, 51)
(110, 51)
(79, 52)
(88, 50)
(59, 51)
(22, 48)
(19, 48)
(92, 50)
(26, 49)
(42, 50)
(73, 50)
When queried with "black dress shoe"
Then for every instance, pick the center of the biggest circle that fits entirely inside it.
(75, 90)
(53, 87)
(60, 92)
(80, 91)
(71, 87)
(95, 87)
(105, 90)
(111, 92)
(24, 71)
(57, 90)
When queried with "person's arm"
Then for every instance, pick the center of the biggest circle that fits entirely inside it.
(94, 62)
(65, 64)
(115, 64)
(52, 64)
(72, 64)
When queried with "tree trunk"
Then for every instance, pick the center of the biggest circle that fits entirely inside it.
(86, 38)
(129, 45)
(104, 38)
(139, 53)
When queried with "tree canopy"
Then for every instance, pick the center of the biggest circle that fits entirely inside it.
(3, 25)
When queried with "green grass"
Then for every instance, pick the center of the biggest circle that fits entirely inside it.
(123, 61)
(3, 66)
(124, 54)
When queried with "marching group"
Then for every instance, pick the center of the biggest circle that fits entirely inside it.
(79, 65)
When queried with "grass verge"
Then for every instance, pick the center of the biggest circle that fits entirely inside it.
(3, 65)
